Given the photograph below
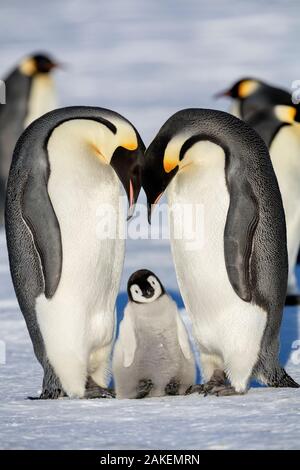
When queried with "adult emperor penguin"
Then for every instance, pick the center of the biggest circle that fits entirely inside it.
(251, 95)
(30, 92)
(152, 356)
(263, 107)
(66, 255)
(234, 284)
(280, 129)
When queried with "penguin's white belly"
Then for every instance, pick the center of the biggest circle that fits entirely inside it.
(42, 97)
(285, 156)
(79, 319)
(223, 323)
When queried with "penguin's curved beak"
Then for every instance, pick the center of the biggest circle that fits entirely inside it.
(222, 94)
(151, 206)
(127, 165)
(154, 181)
(60, 65)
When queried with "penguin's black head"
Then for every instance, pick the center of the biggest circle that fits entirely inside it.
(155, 182)
(127, 164)
(37, 63)
(44, 63)
(242, 89)
(144, 287)
(166, 155)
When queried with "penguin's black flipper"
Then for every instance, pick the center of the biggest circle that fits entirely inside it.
(39, 215)
(241, 223)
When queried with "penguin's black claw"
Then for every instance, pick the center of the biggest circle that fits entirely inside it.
(198, 388)
(217, 380)
(99, 392)
(222, 391)
(172, 388)
(144, 387)
(292, 300)
(93, 390)
(49, 395)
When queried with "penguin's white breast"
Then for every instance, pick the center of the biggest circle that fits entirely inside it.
(285, 156)
(42, 97)
(201, 271)
(80, 187)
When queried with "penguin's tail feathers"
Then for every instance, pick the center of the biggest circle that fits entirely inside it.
(292, 300)
(281, 379)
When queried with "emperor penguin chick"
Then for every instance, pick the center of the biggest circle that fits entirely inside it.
(152, 356)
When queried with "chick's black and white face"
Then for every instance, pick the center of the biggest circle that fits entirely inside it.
(144, 287)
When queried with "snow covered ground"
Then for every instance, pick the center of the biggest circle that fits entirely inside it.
(264, 418)
(147, 60)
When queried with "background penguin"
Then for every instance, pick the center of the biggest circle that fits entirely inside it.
(251, 96)
(30, 92)
(152, 355)
(65, 254)
(254, 101)
(280, 131)
(234, 284)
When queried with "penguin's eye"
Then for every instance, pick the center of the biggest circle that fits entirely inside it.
(136, 292)
(152, 281)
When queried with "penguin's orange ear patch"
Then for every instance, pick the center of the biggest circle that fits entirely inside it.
(28, 66)
(170, 162)
(246, 88)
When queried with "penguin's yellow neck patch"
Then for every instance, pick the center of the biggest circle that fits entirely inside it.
(28, 67)
(285, 113)
(247, 87)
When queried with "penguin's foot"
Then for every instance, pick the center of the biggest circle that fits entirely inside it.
(221, 391)
(93, 390)
(194, 389)
(172, 388)
(99, 392)
(144, 388)
(218, 379)
(52, 394)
